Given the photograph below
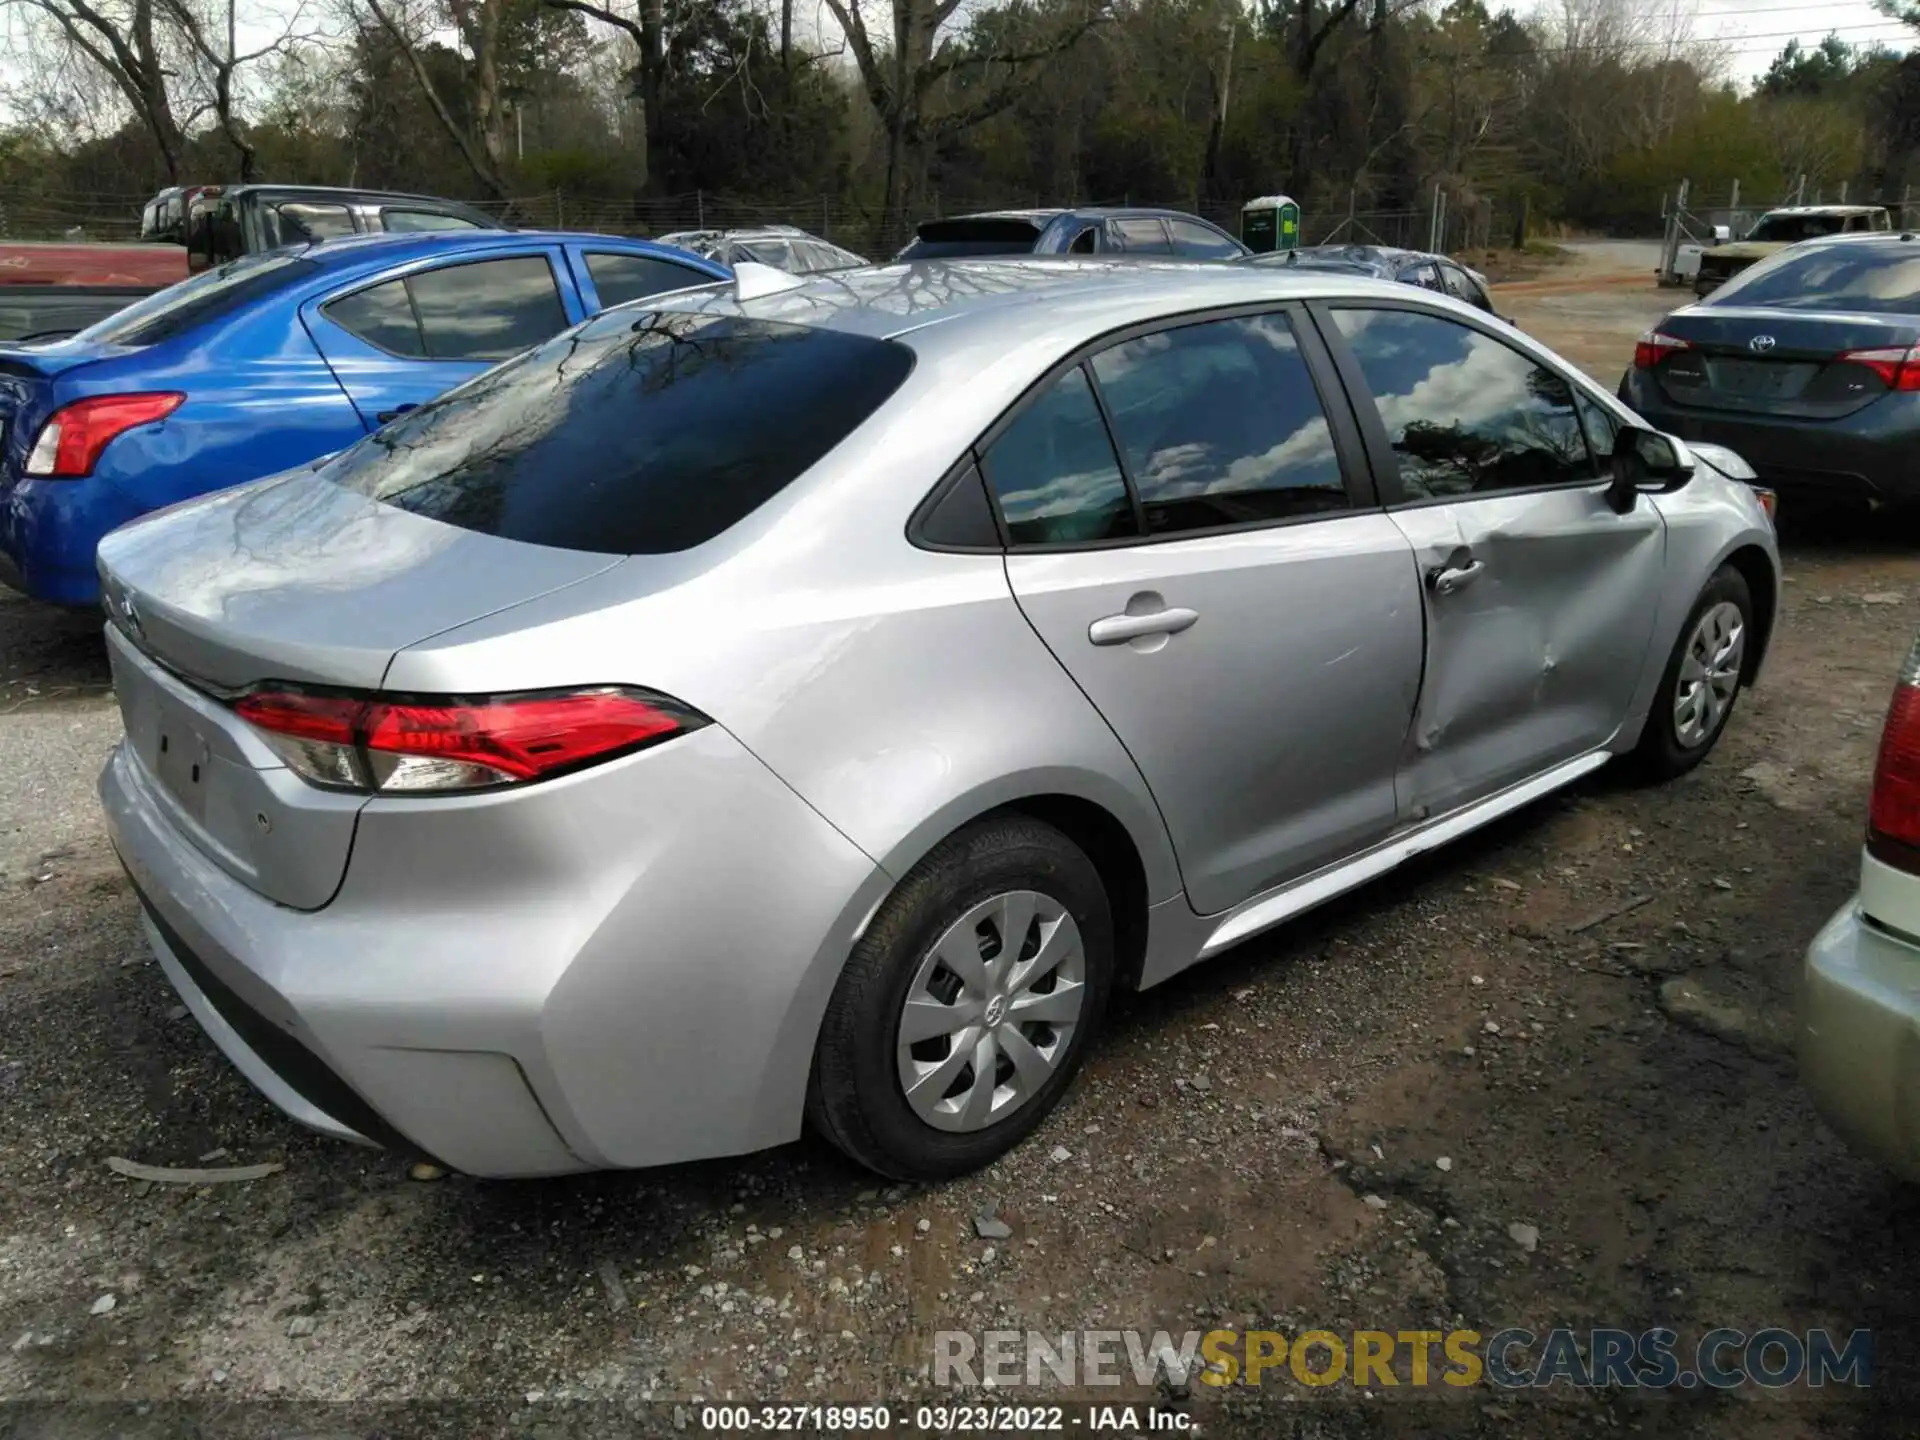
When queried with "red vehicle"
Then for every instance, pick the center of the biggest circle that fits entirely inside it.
(51, 289)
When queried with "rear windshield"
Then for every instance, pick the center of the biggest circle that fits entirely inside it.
(938, 238)
(630, 436)
(1873, 278)
(207, 296)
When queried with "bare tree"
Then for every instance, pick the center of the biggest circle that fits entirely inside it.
(904, 81)
(214, 52)
(1311, 29)
(648, 30)
(127, 41)
(478, 22)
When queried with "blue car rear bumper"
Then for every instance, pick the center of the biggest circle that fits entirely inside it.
(49, 530)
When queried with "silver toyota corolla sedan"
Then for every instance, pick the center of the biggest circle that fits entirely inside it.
(811, 699)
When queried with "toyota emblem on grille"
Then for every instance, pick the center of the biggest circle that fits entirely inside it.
(1761, 343)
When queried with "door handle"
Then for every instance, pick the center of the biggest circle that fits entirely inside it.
(1446, 579)
(387, 416)
(1118, 629)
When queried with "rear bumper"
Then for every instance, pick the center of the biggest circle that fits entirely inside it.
(1859, 1038)
(1870, 455)
(619, 968)
(49, 530)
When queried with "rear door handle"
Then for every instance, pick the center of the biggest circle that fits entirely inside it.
(1118, 629)
(1448, 578)
(386, 417)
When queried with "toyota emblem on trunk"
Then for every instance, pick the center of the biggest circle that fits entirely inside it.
(1761, 343)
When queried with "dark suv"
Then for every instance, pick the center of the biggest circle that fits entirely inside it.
(1097, 231)
(218, 223)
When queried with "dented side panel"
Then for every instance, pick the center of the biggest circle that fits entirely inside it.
(1270, 727)
(1538, 654)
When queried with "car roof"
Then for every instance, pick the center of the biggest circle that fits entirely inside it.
(391, 247)
(1091, 212)
(340, 191)
(1826, 210)
(988, 303)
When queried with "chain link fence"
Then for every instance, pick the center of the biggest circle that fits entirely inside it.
(849, 223)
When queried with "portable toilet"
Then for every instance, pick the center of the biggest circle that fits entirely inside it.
(1270, 223)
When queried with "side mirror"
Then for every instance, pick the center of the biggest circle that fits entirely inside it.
(1646, 462)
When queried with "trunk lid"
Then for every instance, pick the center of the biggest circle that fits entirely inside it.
(288, 579)
(1776, 362)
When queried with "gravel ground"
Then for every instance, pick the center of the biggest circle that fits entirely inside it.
(1539, 1079)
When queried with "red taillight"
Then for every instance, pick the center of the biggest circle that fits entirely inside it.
(1893, 814)
(73, 437)
(429, 744)
(1897, 365)
(1653, 347)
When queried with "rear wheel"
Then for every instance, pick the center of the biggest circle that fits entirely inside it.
(968, 1005)
(1701, 681)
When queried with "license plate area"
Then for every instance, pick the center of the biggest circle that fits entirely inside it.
(1759, 379)
(181, 759)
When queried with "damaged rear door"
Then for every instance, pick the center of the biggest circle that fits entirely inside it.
(1539, 598)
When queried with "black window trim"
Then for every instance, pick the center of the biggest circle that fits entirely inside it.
(965, 470)
(1384, 464)
(1348, 446)
(537, 252)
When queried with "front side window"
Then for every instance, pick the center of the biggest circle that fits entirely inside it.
(1200, 242)
(620, 278)
(1463, 286)
(1055, 473)
(488, 309)
(1464, 412)
(634, 434)
(1220, 424)
(1144, 235)
(1602, 429)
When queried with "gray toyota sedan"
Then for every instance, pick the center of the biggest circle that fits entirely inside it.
(810, 700)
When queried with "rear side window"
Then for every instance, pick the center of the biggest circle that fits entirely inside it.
(620, 278)
(1142, 236)
(382, 316)
(1220, 424)
(206, 297)
(297, 222)
(414, 221)
(630, 435)
(1875, 276)
(1200, 242)
(1055, 473)
(489, 309)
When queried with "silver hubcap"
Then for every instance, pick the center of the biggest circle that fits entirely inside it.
(1709, 674)
(991, 1011)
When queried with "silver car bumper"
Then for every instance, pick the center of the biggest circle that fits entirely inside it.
(1860, 1037)
(623, 967)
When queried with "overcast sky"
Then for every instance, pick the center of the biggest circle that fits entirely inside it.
(1754, 31)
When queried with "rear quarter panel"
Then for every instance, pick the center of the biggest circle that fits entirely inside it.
(259, 400)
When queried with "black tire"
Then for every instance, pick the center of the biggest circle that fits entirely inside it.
(854, 1096)
(1660, 754)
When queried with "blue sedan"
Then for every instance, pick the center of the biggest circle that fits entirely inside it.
(270, 362)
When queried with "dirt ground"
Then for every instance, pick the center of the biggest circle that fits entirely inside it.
(1258, 1143)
